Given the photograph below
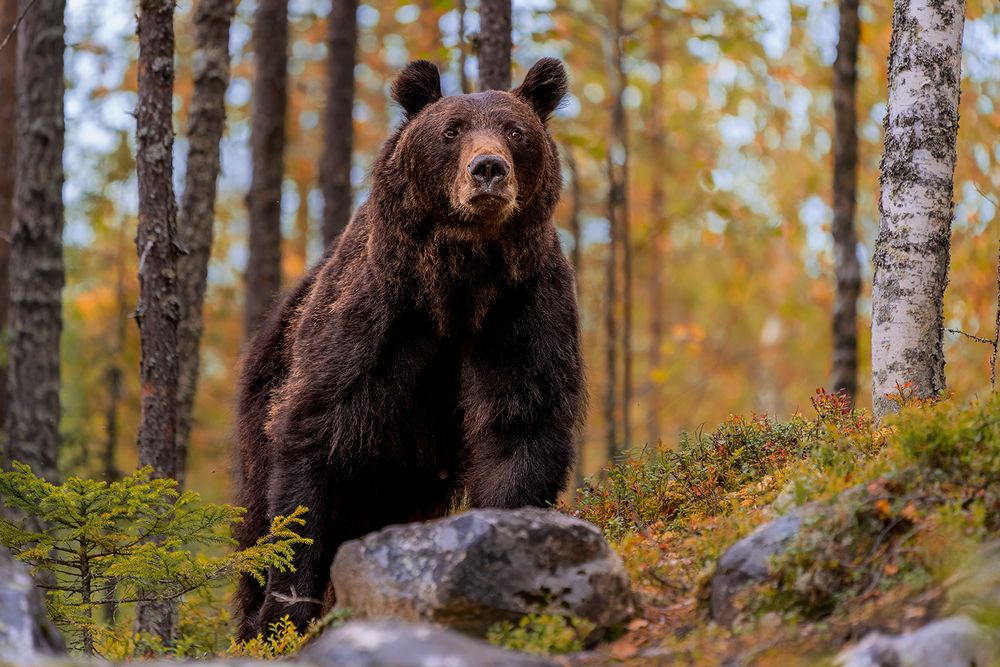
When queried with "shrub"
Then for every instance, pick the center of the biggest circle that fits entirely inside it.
(542, 634)
(124, 542)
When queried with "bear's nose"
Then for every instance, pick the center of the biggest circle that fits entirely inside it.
(488, 169)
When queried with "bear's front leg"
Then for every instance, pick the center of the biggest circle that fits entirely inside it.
(296, 480)
(522, 397)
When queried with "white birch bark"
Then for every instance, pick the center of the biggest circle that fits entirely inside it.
(918, 166)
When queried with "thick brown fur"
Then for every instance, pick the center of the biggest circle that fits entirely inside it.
(434, 353)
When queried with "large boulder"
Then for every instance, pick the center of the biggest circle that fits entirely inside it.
(748, 562)
(472, 570)
(26, 633)
(386, 643)
(953, 642)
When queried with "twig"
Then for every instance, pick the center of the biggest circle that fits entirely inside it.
(987, 341)
(294, 598)
(996, 332)
(17, 23)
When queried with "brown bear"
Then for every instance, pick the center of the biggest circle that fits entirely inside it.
(433, 354)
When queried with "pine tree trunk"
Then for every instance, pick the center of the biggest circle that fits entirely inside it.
(847, 269)
(206, 122)
(8, 114)
(657, 202)
(267, 144)
(918, 166)
(158, 312)
(576, 259)
(115, 373)
(37, 272)
(335, 170)
(494, 44)
(463, 77)
(619, 218)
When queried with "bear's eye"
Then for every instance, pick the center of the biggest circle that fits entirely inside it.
(515, 135)
(450, 133)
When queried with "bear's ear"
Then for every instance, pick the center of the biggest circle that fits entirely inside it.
(544, 86)
(417, 85)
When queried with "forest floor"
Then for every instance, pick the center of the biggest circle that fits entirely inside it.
(896, 529)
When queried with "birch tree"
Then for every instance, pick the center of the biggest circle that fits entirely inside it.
(918, 166)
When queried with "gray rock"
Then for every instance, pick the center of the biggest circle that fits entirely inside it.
(748, 562)
(393, 644)
(953, 642)
(26, 633)
(471, 570)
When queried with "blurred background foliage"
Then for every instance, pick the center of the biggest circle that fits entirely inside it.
(747, 264)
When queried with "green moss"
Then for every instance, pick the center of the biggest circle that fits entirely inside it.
(542, 634)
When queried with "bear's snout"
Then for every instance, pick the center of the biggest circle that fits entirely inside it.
(488, 170)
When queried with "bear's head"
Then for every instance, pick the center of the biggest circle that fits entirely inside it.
(481, 157)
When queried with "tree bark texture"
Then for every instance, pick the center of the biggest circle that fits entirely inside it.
(8, 113)
(37, 271)
(918, 166)
(847, 269)
(494, 44)
(267, 145)
(617, 164)
(335, 168)
(463, 77)
(657, 202)
(206, 122)
(575, 257)
(158, 312)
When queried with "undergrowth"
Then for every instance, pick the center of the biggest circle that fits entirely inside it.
(894, 516)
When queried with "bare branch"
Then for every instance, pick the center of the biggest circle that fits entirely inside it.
(17, 23)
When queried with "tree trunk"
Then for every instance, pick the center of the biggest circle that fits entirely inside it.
(918, 166)
(618, 216)
(657, 202)
(158, 312)
(206, 122)
(576, 255)
(847, 269)
(463, 77)
(336, 164)
(267, 144)
(37, 272)
(115, 374)
(8, 113)
(494, 44)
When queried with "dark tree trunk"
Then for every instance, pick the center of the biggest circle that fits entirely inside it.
(115, 373)
(267, 144)
(494, 44)
(576, 255)
(617, 163)
(847, 269)
(335, 168)
(37, 273)
(657, 200)
(206, 121)
(463, 77)
(8, 113)
(158, 312)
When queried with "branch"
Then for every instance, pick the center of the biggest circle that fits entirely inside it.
(17, 24)
(294, 598)
(968, 335)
